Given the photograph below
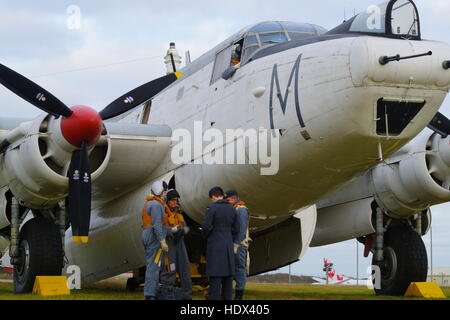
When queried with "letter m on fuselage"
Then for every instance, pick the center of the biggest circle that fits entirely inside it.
(283, 100)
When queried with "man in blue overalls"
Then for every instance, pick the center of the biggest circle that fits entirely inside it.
(220, 227)
(241, 242)
(153, 237)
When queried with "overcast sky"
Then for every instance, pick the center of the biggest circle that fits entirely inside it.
(121, 44)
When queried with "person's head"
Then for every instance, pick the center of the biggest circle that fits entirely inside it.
(172, 199)
(159, 189)
(238, 49)
(216, 194)
(231, 196)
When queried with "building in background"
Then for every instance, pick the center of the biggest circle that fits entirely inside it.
(440, 275)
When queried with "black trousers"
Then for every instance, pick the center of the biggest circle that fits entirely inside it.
(220, 288)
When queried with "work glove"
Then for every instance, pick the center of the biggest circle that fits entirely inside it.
(236, 247)
(186, 229)
(164, 246)
(174, 229)
(180, 233)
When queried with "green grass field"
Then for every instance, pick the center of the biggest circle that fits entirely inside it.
(114, 290)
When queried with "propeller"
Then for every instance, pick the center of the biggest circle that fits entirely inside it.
(138, 96)
(81, 126)
(440, 124)
(31, 92)
(79, 175)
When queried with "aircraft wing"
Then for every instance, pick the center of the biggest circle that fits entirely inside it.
(406, 184)
(131, 153)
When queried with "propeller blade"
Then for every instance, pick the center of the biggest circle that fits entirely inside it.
(440, 124)
(80, 194)
(138, 96)
(31, 92)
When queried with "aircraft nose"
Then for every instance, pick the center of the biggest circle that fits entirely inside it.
(428, 71)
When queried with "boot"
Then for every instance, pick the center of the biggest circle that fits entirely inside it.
(239, 294)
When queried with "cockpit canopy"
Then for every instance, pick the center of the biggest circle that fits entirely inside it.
(270, 33)
(241, 47)
(396, 19)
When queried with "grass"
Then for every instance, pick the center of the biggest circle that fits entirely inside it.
(114, 290)
(259, 291)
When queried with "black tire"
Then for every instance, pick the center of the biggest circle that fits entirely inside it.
(405, 261)
(41, 253)
(132, 284)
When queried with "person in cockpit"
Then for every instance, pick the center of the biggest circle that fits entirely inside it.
(236, 55)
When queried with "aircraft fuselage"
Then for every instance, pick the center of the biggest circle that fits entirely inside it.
(324, 111)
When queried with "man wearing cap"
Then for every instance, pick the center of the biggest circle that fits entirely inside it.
(241, 243)
(153, 237)
(220, 227)
(177, 228)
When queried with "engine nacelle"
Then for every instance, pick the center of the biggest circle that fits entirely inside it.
(36, 164)
(416, 178)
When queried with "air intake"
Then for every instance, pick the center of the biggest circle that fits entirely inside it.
(394, 116)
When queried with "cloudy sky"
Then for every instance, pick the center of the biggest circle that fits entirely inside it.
(120, 44)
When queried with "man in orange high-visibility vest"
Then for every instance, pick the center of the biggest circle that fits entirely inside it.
(177, 228)
(153, 237)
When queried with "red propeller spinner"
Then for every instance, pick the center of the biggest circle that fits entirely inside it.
(85, 124)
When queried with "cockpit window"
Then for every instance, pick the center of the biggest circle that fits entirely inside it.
(270, 33)
(267, 26)
(251, 44)
(299, 27)
(272, 38)
(398, 18)
(373, 20)
(404, 19)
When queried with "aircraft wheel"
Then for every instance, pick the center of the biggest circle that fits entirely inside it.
(40, 253)
(405, 261)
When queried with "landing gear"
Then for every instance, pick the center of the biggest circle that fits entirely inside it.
(132, 284)
(138, 278)
(40, 252)
(404, 261)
